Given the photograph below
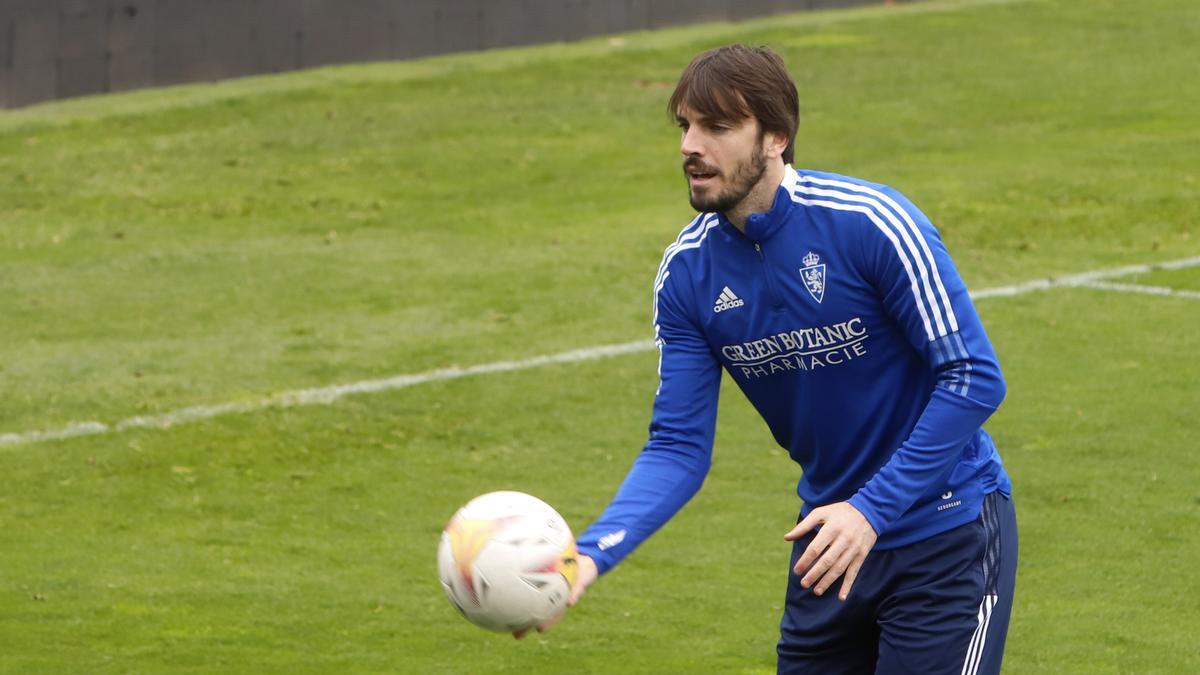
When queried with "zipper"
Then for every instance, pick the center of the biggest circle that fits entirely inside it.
(776, 302)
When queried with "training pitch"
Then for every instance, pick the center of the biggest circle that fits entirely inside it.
(261, 339)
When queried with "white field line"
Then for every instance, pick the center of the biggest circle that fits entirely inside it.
(1147, 290)
(1083, 278)
(327, 395)
(320, 395)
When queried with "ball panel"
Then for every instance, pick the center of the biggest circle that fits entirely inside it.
(507, 561)
(468, 537)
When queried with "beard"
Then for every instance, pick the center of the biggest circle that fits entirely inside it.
(743, 179)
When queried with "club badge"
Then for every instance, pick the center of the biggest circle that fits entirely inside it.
(813, 276)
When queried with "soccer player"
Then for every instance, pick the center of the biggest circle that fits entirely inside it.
(833, 304)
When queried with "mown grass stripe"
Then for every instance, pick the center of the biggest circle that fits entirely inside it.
(327, 395)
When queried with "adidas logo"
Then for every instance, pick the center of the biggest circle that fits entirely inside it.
(727, 300)
(610, 540)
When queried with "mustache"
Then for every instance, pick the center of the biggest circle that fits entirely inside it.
(695, 165)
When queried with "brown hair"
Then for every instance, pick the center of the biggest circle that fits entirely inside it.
(732, 83)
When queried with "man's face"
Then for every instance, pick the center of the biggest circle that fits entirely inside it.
(722, 160)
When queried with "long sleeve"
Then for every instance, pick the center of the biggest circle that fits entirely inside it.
(677, 455)
(924, 293)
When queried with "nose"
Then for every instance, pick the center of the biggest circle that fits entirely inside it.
(691, 143)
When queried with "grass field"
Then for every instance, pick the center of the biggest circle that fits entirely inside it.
(227, 243)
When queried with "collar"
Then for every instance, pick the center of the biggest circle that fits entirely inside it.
(762, 226)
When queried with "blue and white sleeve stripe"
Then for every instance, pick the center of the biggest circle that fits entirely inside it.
(952, 363)
(907, 239)
(691, 237)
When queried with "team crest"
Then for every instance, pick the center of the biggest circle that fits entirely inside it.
(813, 276)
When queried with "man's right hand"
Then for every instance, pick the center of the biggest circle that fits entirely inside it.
(585, 575)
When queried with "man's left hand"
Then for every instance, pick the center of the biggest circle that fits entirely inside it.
(840, 547)
(585, 576)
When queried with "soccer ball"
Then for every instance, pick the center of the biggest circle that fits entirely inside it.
(507, 561)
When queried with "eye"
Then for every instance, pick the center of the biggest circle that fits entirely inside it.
(682, 124)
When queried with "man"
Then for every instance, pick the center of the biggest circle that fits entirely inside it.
(834, 306)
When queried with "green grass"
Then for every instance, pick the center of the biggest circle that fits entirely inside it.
(226, 242)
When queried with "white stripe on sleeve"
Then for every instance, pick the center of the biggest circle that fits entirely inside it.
(912, 227)
(873, 215)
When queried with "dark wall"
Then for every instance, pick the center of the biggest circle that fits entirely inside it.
(61, 48)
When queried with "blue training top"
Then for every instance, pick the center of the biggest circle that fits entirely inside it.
(842, 318)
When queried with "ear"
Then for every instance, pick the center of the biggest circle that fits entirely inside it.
(774, 144)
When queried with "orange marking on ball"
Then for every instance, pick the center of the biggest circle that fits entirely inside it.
(467, 539)
(568, 563)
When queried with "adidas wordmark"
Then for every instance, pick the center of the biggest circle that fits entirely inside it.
(727, 300)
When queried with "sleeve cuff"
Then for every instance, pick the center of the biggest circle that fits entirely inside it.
(859, 502)
(603, 562)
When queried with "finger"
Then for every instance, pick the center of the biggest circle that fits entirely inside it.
(834, 573)
(518, 634)
(586, 575)
(576, 594)
(851, 574)
(810, 556)
(822, 566)
(816, 517)
(549, 623)
(815, 548)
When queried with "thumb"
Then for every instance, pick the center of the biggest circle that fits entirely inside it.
(814, 518)
(586, 573)
(576, 594)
